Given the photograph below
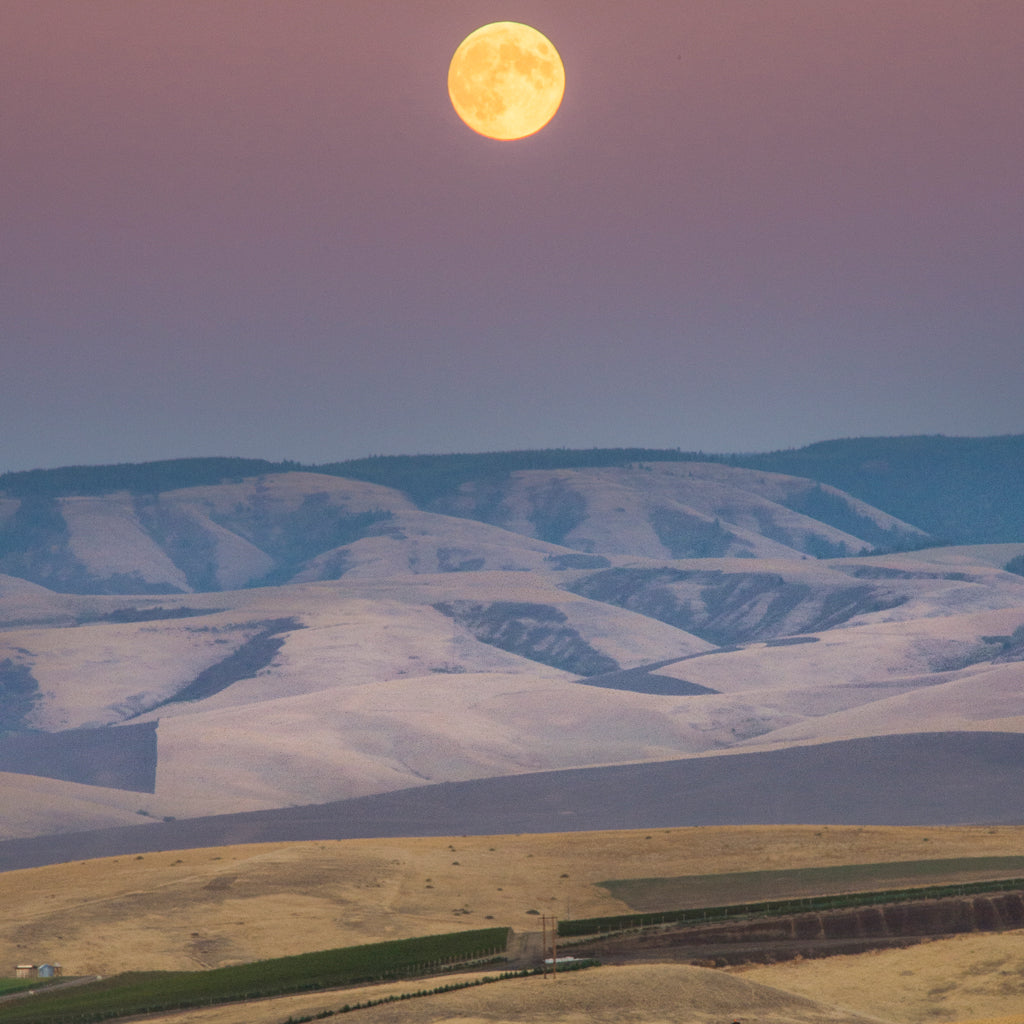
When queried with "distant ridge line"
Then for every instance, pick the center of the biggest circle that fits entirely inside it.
(960, 490)
(171, 474)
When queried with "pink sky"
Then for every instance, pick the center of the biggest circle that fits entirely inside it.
(256, 227)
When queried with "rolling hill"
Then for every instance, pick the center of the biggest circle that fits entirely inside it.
(223, 637)
(206, 908)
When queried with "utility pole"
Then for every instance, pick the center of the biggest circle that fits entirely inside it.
(554, 943)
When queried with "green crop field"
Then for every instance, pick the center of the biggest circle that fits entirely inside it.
(10, 985)
(136, 993)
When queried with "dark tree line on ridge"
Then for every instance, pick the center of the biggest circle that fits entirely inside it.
(959, 490)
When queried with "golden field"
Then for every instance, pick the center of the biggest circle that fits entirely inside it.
(204, 908)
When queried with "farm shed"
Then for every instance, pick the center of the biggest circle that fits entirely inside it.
(38, 971)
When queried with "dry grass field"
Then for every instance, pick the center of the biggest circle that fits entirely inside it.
(656, 994)
(205, 908)
(961, 978)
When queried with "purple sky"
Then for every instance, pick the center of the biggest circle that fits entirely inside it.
(257, 227)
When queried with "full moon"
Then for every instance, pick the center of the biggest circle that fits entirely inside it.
(506, 80)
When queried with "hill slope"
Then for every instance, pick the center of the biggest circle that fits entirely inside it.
(298, 638)
(189, 909)
(961, 489)
(308, 526)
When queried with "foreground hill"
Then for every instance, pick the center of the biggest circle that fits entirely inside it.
(294, 639)
(653, 994)
(238, 903)
(188, 909)
(663, 992)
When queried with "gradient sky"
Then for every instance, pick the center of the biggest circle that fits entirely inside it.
(258, 228)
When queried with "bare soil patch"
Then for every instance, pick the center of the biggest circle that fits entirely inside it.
(656, 894)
